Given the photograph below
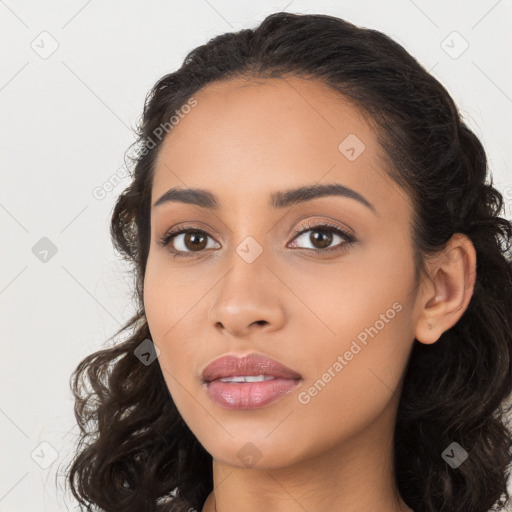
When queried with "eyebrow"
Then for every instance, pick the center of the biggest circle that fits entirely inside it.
(278, 200)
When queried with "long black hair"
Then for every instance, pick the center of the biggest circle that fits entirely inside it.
(135, 448)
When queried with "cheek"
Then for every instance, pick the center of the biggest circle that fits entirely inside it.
(372, 289)
(368, 288)
(169, 319)
(177, 317)
(353, 375)
(363, 329)
(172, 333)
(169, 295)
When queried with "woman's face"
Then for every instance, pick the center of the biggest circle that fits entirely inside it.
(247, 282)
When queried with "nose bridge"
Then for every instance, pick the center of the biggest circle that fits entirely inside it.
(246, 294)
(248, 263)
(249, 235)
(252, 257)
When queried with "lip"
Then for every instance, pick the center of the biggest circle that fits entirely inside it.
(248, 395)
(253, 364)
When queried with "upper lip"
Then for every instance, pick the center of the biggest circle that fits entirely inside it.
(252, 364)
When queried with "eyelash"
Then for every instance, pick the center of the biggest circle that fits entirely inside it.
(349, 239)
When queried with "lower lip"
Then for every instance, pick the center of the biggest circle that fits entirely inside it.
(249, 395)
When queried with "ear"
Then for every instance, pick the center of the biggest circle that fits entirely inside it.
(445, 295)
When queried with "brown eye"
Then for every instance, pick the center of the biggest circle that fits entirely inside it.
(322, 236)
(194, 240)
(320, 239)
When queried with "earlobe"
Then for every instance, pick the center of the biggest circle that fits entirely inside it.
(427, 327)
(446, 296)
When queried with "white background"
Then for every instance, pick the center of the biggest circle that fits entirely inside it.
(67, 121)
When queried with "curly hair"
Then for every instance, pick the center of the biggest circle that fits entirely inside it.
(135, 449)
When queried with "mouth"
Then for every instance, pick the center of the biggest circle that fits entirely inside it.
(249, 368)
(248, 382)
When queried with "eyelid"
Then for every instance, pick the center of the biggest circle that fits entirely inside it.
(318, 223)
(310, 224)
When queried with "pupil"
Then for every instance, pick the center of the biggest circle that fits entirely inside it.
(325, 241)
(194, 236)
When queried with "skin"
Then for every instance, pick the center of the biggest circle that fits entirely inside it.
(244, 140)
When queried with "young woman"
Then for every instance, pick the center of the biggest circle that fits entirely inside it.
(325, 301)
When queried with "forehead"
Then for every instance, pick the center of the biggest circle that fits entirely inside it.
(249, 137)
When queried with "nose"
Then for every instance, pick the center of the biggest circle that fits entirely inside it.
(248, 300)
